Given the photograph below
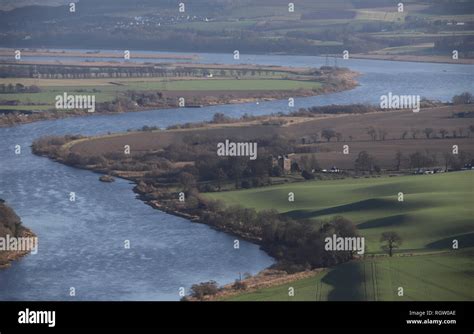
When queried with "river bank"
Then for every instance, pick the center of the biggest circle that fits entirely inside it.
(130, 98)
(10, 226)
(415, 58)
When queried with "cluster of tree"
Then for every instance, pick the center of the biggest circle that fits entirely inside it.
(50, 145)
(335, 109)
(145, 98)
(465, 45)
(18, 88)
(366, 163)
(328, 134)
(426, 159)
(55, 71)
(430, 133)
(298, 242)
(377, 134)
(463, 98)
(119, 104)
(10, 223)
(201, 290)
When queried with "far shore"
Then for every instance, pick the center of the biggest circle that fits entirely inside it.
(346, 81)
(415, 59)
(167, 54)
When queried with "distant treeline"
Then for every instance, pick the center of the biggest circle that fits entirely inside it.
(18, 88)
(83, 72)
(335, 109)
(297, 244)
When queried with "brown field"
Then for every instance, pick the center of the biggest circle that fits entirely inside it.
(394, 122)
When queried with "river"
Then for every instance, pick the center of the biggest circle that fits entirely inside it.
(81, 243)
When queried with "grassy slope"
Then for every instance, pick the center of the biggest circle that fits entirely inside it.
(435, 208)
(429, 277)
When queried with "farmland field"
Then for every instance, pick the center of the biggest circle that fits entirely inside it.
(423, 278)
(106, 91)
(436, 208)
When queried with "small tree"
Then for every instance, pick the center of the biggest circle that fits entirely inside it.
(428, 132)
(464, 98)
(328, 134)
(448, 159)
(443, 133)
(201, 290)
(404, 134)
(398, 159)
(239, 285)
(392, 239)
(382, 134)
(364, 162)
(307, 175)
(372, 133)
(187, 181)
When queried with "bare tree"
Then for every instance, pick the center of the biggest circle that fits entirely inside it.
(392, 239)
(187, 181)
(414, 133)
(328, 134)
(448, 159)
(404, 134)
(398, 159)
(382, 134)
(443, 133)
(372, 133)
(364, 162)
(428, 132)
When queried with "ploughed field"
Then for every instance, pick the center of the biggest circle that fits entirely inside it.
(352, 127)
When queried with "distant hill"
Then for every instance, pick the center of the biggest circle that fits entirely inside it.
(264, 26)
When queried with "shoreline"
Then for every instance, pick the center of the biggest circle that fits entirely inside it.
(8, 257)
(208, 101)
(415, 59)
(435, 59)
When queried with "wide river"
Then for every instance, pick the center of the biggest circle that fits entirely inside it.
(81, 243)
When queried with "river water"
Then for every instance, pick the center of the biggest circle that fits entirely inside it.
(81, 243)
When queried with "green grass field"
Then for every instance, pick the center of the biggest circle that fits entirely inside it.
(447, 276)
(227, 84)
(436, 208)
